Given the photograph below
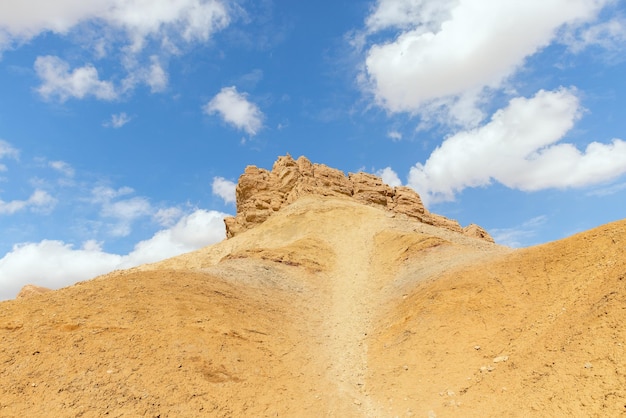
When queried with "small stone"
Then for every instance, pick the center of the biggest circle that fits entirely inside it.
(477, 347)
(588, 365)
(500, 359)
(450, 393)
(357, 402)
(406, 367)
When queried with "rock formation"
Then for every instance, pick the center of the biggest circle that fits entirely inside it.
(32, 290)
(260, 193)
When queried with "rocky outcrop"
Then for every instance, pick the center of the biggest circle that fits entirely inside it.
(260, 193)
(31, 290)
(476, 231)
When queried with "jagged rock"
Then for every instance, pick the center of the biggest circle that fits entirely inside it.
(476, 231)
(443, 222)
(368, 188)
(407, 201)
(31, 290)
(260, 193)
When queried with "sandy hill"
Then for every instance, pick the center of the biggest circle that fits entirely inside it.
(331, 305)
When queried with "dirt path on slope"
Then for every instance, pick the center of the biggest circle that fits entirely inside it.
(347, 322)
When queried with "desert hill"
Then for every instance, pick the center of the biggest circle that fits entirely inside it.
(327, 304)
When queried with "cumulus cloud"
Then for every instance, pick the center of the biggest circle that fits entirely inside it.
(39, 201)
(61, 83)
(448, 54)
(225, 189)
(142, 34)
(138, 20)
(235, 109)
(389, 176)
(56, 264)
(409, 14)
(519, 148)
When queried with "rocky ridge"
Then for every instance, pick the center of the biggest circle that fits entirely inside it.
(261, 193)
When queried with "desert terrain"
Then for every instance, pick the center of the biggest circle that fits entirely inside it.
(330, 300)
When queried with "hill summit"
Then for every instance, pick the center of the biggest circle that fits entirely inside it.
(260, 193)
(326, 306)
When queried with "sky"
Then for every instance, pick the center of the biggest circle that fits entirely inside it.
(125, 124)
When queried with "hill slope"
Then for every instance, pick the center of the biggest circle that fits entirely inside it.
(331, 308)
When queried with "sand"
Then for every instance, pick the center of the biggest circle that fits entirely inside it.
(331, 308)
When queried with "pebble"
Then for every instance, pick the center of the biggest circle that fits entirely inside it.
(588, 365)
(500, 359)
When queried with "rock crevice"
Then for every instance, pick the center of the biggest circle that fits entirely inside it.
(261, 192)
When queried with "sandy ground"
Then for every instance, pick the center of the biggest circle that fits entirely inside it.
(331, 308)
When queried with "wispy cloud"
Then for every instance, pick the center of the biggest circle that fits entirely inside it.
(62, 167)
(8, 151)
(39, 201)
(117, 120)
(607, 191)
(519, 236)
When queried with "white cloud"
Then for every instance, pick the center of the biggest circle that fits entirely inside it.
(102, 194)
(394, 135)
(408, 14)
(449, 54)
(608, 191)
(225, 189)
(138, 20)
(236, 110)
(57, 81)
(39, 201)
(7, 150)
(519, 148)
(168, 216)
(117, 120)
(610, 35)
(56, 264)
(129, 30)
(123, 211)
(62, 167)
(193, 231)
(389, 176)
(518, 236)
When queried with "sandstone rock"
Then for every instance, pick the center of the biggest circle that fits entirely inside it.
(31, 290)
(473, 230)
(370, 189)
(260, 193)
(443, 222)
(405, 200)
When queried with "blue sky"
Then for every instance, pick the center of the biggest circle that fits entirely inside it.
(124, 124)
